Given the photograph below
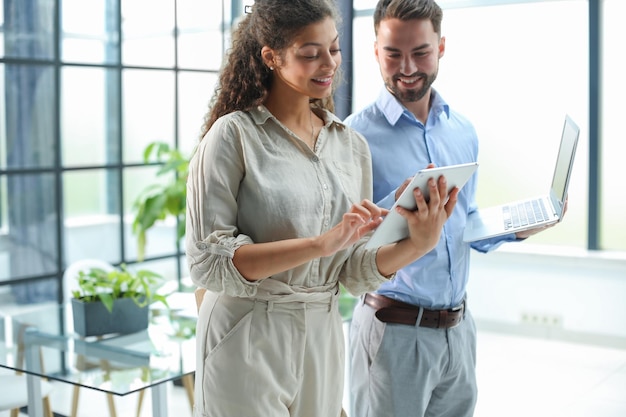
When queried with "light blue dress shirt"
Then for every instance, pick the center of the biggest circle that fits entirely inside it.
(401, 145)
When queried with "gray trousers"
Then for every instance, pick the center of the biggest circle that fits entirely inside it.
(398, 370)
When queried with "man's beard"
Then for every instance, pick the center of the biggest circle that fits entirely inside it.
(412, 95)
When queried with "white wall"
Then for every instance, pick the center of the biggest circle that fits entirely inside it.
(560, 293)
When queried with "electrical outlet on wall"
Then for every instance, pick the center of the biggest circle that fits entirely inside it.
(542, 319)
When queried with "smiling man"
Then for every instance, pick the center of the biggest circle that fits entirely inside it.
(413, 341)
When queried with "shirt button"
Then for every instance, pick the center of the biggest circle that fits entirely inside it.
(315, 159)
(201, 245)
(325, 186)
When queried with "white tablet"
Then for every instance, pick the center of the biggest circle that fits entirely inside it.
(394, 227)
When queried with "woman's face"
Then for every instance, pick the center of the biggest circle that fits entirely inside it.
(309, 64)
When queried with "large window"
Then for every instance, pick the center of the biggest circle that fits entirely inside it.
(516, 86)
(612, 198)
(84, 88)
(515, 69)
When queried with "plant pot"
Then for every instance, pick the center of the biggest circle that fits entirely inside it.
(93, 319)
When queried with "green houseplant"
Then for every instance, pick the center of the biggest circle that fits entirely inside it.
(160, 200)
(115, 301)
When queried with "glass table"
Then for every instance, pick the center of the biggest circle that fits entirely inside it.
(42, 344)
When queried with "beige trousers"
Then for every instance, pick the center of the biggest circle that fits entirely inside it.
(269, 358)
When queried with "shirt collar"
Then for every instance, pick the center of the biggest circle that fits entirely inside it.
(392, 109)
(260, 114)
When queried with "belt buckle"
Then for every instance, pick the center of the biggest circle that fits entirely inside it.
(458, 308)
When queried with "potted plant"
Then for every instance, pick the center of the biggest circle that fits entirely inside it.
(115, 301)
(158, 201)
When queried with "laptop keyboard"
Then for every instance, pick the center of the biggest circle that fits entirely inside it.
(524, 213)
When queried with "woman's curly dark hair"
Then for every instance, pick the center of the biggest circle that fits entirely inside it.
(244, 79)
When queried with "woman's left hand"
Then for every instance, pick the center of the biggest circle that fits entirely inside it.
(426, 223)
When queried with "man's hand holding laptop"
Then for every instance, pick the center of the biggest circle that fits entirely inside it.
(528, 233)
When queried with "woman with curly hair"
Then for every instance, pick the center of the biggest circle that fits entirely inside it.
(278, 214)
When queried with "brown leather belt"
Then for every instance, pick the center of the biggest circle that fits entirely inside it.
(392, 311)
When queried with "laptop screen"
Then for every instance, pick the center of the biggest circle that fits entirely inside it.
(565, 160)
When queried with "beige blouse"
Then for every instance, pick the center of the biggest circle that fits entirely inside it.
(252, 180)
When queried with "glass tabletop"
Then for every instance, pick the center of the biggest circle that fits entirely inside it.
(116, 364)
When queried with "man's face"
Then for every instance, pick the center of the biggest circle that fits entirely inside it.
(408, 54)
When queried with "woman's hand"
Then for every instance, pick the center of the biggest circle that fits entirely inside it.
(426, 223)
(360, 220)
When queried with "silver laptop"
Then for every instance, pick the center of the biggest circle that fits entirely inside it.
(526, 214)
